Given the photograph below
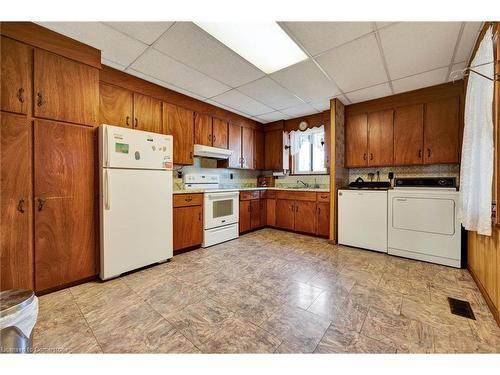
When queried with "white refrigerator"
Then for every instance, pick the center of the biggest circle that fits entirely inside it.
(135, 199)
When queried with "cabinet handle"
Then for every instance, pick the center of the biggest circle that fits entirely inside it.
(20, 206)
(420, 153)
(293, 207)
(319, 211)
(214, 138)
(371, 156)
(41, 203)
(39, 100)
(136, 122)
(429, 152)
(191, 155)
(364, 156)
(199, 216)
(20, 95)
(209, 138)
(188, 199)
(127, 120)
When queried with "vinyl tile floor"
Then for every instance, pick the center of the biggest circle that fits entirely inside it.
(271, 292)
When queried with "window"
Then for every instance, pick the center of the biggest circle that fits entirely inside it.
(308, 151)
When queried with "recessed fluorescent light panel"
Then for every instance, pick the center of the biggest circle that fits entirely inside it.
(264, 44)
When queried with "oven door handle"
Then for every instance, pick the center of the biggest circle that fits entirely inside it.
(222, 197)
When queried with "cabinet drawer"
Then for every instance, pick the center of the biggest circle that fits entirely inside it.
(296, 195)
(183, 200)
(249, 195)
(268, 194)
(323, 197)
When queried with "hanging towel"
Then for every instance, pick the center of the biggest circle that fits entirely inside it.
(476, 171)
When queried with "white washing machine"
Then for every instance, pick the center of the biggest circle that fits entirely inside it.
(423, 222)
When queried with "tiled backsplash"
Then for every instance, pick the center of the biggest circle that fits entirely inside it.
(438, 170)
(241, 178)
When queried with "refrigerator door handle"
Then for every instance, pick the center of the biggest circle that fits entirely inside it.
(105, 147)
(107, 202)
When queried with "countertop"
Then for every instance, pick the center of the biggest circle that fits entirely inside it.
(249, 188)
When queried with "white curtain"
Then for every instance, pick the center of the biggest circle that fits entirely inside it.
(476, 170)
(296, 137)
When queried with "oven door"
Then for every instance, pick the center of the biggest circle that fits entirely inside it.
(220, 209)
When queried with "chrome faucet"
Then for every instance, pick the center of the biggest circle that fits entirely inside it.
(303, 183)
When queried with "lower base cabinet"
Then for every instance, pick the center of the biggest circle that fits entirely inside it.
(305, 217)
(285, 214)
(245, 216)
(188, 221)
(323, 219)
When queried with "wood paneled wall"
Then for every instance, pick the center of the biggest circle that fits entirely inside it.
(483, 251)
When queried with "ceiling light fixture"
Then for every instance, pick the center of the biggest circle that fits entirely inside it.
(263, 44)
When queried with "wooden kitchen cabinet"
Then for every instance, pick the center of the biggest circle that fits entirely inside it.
(65, 205)
(234, 141)
(255, 211)
(202, 129)
(65, 90)
(271, 212)
(16, 245)
(285, 214)
(380, 138)
(441, 131)
(15, 79)
(409, 135)
(188, 221)
(179, 123)
(263, 212)
(259, 159)
(147, 113)
(276, 155)
(115, 106)
(219, 133)
(305, 217)
(245, 216)
(323, 219)
(247, 148)
(356, 141)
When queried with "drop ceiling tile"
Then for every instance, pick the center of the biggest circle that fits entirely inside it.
(112, 64)
(317, 37)
(270, 117)
(241, 102)
(270, 93)
(416, 47)
(164, 68)
(217, 104)
(418, 81)
(469, 36)
(321, 104)
(146, 32)
(306, 81)
(355, 65)
(192, 46)
(300, 110)
(114, 45)
(369, 93)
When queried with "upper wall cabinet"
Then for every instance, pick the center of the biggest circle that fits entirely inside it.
(15, 78)
(147, 113)
(178, 122)
(65, 90)
(380, 138)
(219, 133)
(115, 105)
(408, 134)
(276, 145)
(259, 160)
(356, 141)
(441, 131)
(210, 131)
(247, 148)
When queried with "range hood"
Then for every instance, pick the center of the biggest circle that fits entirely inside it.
(211, 152)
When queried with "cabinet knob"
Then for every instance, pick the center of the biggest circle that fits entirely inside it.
(20, 95)
(41, 203)
(136, 122)
(213, 138)
(127, 120)
(20, 206)
(39, 99)
(429, 152)
(371, 156)
(188, 199)
(419, 153)
(364, 156)
(199, 216)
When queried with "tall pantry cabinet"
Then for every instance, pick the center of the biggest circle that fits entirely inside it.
(49, 113)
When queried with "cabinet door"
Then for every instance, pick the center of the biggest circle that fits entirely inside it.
(65, 204)
(178, 122)
(323, 219)
(147, 113)
(259, 149)
(16, 247)
(380, 138)
(263, 214)
(202, 129)
(408, 134)
(247, 148)
(441, 131)
(234, 145)
(255, 213)
(285, 213)
(15, 82)
(65, 90)
(115, 105)
(188, 227)
(356, 141)
(305, 217)
(220, 133)
(273, 143)
(271, 212)
(245, 216)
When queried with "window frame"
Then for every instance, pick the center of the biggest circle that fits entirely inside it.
(295, 159)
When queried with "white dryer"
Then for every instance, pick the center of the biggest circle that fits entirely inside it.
(422, 221)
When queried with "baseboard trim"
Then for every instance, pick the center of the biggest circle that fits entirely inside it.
(489, 302)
